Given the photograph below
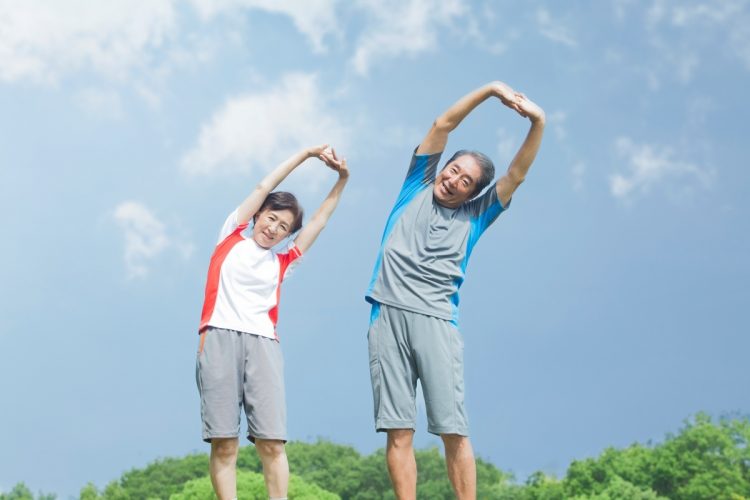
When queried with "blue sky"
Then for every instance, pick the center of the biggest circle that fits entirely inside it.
(605, 307)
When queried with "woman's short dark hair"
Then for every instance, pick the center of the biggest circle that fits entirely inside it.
(485, 165)
(282, 200)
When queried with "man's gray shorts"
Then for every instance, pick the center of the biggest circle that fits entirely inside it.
(406, 347)
(236, 369)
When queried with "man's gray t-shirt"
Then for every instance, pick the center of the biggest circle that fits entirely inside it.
(426, 247)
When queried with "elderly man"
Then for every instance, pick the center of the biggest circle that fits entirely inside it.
(428, 238)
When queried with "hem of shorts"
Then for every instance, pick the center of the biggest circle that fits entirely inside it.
(462, 431)
(386, 425)
(208, 438)
(373, 298)
(253, 437)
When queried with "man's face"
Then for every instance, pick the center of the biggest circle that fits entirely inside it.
(272, 226)
(457, 181)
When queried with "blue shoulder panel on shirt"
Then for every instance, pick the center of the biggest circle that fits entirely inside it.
(478, 225)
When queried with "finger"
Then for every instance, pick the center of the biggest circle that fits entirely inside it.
(326, 158)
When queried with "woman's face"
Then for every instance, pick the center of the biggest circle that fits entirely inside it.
(272, 226)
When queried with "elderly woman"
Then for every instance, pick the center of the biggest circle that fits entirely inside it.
(239, 361)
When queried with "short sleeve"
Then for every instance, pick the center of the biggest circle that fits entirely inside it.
(421, 173)
(484, 210)
(289, 260)
(229, 226)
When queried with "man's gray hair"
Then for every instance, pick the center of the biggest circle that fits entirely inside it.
(485, 165)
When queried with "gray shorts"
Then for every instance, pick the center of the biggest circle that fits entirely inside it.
(236, 369)
(406, 347)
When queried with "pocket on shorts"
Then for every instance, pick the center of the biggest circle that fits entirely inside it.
(372, 345)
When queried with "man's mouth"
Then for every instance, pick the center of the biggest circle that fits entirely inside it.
(445, 189)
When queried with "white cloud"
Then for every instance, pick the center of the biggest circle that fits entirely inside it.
(257, 131)
(553, 29)
(649, 166)
(686, 14)
(41, 40)
(402, 27)
(145, 238)
(313, 18)
(685, 32)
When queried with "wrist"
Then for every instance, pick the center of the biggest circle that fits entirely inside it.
(539, 119)
(499, 89)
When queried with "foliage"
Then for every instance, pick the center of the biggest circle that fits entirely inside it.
(620, 489)
(250, 485)
(21, 492)
(158, 480)
(704, 460)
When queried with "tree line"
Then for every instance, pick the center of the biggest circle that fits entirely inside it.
(705, 460)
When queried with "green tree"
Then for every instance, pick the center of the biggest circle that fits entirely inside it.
(158, 480)
(19, 492)
(331, 466)
(374, 483)
(620, 489)
(703, 461)
(250, 485)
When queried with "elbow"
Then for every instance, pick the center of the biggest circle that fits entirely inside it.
(263, 188)
(442, 124)
(516, 180)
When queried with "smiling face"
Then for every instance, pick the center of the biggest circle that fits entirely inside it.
(457, 182)
(272, 226)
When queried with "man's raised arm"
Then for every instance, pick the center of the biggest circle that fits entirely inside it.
(437, 137)
(519, 167)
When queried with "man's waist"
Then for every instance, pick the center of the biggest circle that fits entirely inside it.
(442, 311)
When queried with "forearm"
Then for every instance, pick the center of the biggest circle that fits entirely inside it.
(278, 174)
(526, 154)
(253, 202)
(519, 167)
(437, 137)
(455, 114)
(318, 221)
(328, 206)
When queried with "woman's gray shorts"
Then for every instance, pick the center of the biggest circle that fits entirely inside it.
(236, 369)
(405, 347)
